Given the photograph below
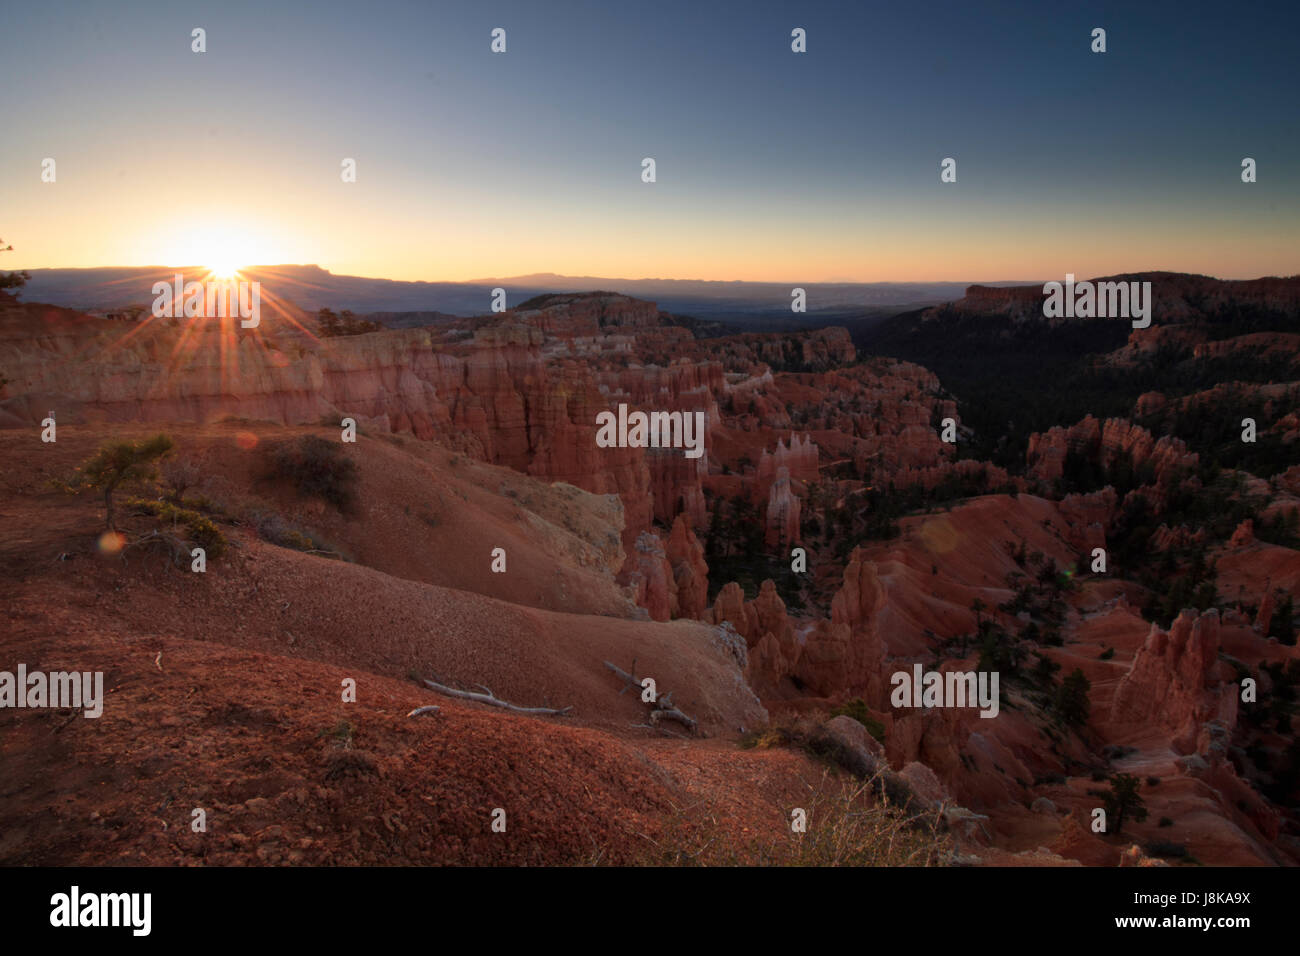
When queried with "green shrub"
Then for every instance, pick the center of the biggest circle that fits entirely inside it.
(342, 734)
(275, 529)
(317, 468)
(1164, 849)
(858, 710)
(200, 530)
(330, 325)
(765, 738)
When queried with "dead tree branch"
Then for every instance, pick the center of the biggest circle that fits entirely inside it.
(176, 549)
(493, 700)
(662, 708)
(672, 713)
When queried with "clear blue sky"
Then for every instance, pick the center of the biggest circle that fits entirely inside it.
(771, 165)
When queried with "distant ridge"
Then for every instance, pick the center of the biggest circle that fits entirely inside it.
(310, 287)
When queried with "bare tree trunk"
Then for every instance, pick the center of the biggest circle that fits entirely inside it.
(662, 708)
(490, 698)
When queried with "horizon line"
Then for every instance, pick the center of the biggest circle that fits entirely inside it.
(560, 275)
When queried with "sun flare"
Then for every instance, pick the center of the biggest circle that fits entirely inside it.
(222, 269)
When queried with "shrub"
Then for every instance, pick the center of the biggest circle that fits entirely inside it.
(849, 823)
(857, 709)
(350, 763)
(180, 474)
(345, 323)
(766, 738)
(1282, 624)
(342, 734)
(12, 280)
(317, 468)
(1045, 670)
(200, 529)
(275, 529)
(1161, 848)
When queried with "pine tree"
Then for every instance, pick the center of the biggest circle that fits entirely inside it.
(118, 462)
(12, 280)
(1072, 699)
(1282, 625)
(1124, 800)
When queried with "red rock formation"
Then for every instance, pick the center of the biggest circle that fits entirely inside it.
(770, 616)
(1264, 618)
(1104, 443)
(766, 628)
(677, 486)
(768, 665)
(782, 512)
(934, 737)
(876, 415)
(1173, 539)
(1288, 481)
(730, 606)
(1021, 302)
(690, 573)
(1176, 681)
(1149, 403)
(1175, 296)
(814, 351)
(519, 389)
(652, 578)
(925, 784)
(982, 475)
(587, 314)
(847, 652)
(800, 461)
(1243, 536)
(765, 614)
(1089, 516)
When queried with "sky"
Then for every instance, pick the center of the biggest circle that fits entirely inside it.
(770, 165)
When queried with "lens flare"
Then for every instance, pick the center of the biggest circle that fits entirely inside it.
(111, 542)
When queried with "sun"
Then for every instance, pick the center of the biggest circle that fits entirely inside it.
(221, 268)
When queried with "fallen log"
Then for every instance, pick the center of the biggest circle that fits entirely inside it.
(493, 700)
(662, 708)
(672, 713)
(627, 678)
